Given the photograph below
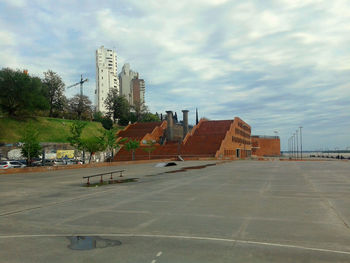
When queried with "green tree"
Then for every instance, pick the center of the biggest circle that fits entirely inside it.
(55, 91)
(150, 147)
(117, 107)
(80, 107)
(132, 117)
(132, 145)
(93, 145)
(30, 147)
(107, 123)
(97, 116)
(110, 138)
(149, 117)
(140, 109)
(20, 93)
(76, 130)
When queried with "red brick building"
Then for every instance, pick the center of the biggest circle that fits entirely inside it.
(138, 91)
(266, 146)
(223, 139)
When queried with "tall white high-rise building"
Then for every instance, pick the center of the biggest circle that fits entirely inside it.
(106, 76)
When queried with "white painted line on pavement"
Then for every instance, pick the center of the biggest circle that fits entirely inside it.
(159, 254)
(183, 237)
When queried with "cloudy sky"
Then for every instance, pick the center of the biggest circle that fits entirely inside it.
(277, 64)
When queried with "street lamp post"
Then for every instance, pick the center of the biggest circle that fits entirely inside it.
(288, 147)
(293, 145)
(296, 136)
(301, 144)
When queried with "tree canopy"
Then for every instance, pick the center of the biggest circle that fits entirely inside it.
(76, 130)
(117, 107)
(132, 145)
(80, 107)
(55, 92)
(21, 94)
(31, 147)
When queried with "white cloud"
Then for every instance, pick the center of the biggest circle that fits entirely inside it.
(7, 39)
(15, 3)
(276, 65)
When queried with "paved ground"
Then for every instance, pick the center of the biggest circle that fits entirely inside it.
(243, 211)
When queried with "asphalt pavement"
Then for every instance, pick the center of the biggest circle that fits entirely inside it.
(240, 211)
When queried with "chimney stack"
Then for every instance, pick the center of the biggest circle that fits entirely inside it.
(185, 122)
(169, 130)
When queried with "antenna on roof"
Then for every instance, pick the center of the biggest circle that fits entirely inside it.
(196, 116)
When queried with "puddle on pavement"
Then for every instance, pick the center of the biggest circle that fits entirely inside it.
(184, 169)
(109, 181)
(91, 242)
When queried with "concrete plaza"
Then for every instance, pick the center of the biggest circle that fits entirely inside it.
(241, 211)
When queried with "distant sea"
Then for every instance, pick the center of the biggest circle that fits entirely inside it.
(321, 154)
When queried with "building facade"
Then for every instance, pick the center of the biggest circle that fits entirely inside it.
(237, 142)
(138, 91)
(266, 146)
(131, 86)
(106, 76)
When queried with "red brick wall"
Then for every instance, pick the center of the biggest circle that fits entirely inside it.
(266, 146)
(237, 137)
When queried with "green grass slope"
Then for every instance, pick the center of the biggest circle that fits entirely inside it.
(50, 129)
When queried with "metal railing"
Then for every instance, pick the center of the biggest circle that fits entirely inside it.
(102, 174)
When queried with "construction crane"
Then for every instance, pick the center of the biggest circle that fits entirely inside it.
(80, 106)
(81, 82)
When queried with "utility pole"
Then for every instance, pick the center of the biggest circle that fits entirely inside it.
(294, 146)
(297, 143)
(289, 147)
(301, 144)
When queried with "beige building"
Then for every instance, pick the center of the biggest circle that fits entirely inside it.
(131, 86)
(106, 76)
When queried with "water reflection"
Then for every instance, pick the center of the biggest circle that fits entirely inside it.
(88, 243)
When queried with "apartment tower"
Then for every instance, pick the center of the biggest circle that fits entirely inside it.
(106, 76)
(131, 86)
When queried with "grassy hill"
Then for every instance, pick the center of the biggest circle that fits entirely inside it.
(50, 129)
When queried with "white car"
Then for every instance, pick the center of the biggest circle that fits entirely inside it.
(11, 164)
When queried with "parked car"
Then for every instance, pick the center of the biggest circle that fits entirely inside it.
(37, 163)
(49, 162)
(73, 161)
(59, 162)
(11, 164)
(22, 161)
